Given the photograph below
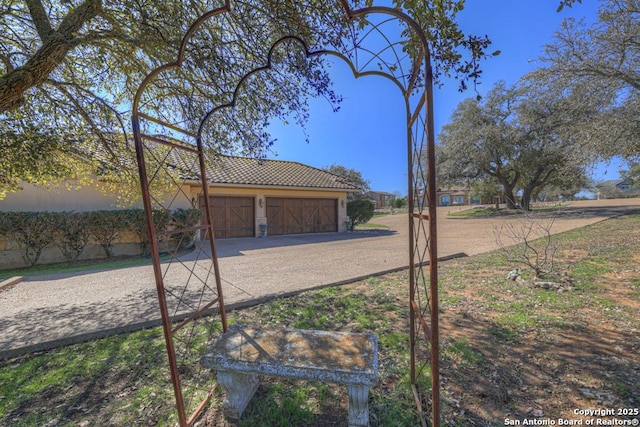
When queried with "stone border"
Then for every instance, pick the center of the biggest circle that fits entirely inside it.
(12, 281)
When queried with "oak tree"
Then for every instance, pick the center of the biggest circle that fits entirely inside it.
(68, 71)
(352, 176)
(604, 56)
(520, 136)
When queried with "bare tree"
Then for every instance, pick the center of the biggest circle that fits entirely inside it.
(528, 241)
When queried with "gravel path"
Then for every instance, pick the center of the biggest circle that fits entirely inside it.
(47, 311)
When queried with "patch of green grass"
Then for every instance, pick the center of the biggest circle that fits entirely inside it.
(588, 270)
(503, 333)
(78, 373)
(395, 408)
(393, 341)
(564, 302)
(548, 208)
(454, 279)
(461, 352)
(78, 266)
(371, 226)
(451, 300)
(389, 212)
(283, 405)
(626, 391)
(481, 211)
(476, 212)
(515, 321)
(493, 259)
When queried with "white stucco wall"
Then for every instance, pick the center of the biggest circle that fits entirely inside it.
(37, 199)
(70, 198)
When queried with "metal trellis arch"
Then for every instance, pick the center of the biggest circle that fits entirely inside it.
(172, 119)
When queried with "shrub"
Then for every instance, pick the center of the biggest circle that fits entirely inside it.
(71, 231)
(32, 231)
(516, 240)
(73, 234)
(137, 223)
(400, 202)
(106, 227)
(184, 218)
(359, 211)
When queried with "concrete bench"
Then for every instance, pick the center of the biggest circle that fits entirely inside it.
(243, 353)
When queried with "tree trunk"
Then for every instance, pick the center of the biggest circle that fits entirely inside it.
(509, 198)
(536, 183)
(508, 185)
(526, 198)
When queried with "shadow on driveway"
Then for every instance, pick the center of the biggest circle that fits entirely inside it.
(237, 246)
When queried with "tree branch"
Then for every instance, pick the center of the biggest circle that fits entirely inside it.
(40, 19)
(57, 45)
(87, 117)
(7, 63)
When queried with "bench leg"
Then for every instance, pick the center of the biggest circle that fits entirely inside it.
(240, 389)
(358, 405)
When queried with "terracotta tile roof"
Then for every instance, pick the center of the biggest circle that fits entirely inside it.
(222, 169)
(263, 172)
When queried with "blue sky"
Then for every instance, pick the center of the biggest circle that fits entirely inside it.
(367, 133)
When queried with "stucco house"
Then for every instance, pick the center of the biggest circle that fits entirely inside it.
(380, 199)
(454, 195)
(289, 196)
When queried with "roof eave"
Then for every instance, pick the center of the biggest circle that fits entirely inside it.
(275, 187)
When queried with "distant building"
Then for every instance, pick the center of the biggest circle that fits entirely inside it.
(615, 188)
(380, 199)
(458, 195)
(453, 196)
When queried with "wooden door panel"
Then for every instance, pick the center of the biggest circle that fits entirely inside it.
(275, 216)
(296, 216)
(328, 215)
(233, 216)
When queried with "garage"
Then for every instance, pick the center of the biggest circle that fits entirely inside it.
(301, 215)
(233, 216)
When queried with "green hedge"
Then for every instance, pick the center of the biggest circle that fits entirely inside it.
(32, 231)
(71, 231)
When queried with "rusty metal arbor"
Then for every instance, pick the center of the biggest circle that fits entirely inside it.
(174, 123)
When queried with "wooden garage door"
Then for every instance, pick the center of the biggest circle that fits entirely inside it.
(233, 216)
(295, 216)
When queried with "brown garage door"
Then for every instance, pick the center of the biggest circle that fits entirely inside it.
(295, 216)
(233, 216)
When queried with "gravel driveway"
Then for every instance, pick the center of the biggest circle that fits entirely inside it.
(46, 311)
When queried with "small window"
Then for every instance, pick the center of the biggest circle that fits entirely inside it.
(445, 200)
(459, 200)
